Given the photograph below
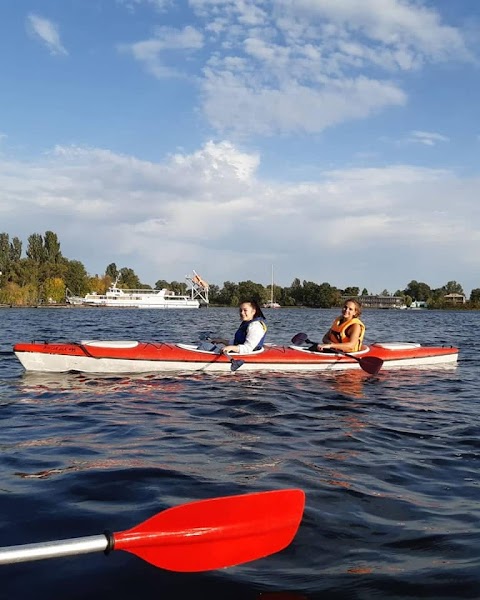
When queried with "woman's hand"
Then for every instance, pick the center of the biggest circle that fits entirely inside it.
(227, 349)
(321, 347)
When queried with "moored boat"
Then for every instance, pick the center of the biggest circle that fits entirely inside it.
(104, 356)
(141, 298)
(116, 297)
(271, 303)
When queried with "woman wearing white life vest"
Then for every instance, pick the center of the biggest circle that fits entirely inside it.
(250, 335)
(347, 331)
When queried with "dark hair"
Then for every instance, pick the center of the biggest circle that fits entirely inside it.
(358, 305)
(256, 306)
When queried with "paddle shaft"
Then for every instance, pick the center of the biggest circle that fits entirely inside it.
(339, 351)
(370, 364)
(39, 551)
(235, 362)
(334, 350)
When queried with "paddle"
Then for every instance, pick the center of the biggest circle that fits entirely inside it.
(197, 536)
(370, 364)
(235, 363)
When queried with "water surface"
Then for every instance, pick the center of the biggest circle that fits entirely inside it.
(389, 464)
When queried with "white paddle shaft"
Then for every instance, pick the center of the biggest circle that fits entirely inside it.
(39, 551)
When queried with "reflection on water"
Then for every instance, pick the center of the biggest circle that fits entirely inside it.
(389, 464)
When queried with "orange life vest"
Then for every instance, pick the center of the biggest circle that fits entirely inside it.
(338, 331)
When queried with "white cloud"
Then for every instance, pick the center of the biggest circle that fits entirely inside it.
(152, 53)
(391, 23)
(426, 138)
(46, 32)
(210, 210)
(160, 5)
(294, 66)
(232, 107)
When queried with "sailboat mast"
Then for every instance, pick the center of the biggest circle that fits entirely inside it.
(271, 290)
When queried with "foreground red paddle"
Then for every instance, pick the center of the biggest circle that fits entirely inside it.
(198, 536)
(370, 364)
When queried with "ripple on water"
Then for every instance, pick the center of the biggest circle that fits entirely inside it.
(389, 463)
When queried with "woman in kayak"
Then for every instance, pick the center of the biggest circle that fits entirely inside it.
(347, 331)
(250, 335)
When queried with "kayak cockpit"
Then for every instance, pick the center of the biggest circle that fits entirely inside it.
(215, 350)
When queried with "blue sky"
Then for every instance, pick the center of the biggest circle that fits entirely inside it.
(337, 140)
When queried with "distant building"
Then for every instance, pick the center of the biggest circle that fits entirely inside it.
(455, 298)
(378, 301)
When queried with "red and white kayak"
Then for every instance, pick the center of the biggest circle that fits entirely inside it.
(159, 357)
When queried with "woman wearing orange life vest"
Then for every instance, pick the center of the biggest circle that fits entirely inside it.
(347, 331)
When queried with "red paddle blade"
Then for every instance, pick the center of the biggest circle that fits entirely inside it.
(371, 364)
(216, 533)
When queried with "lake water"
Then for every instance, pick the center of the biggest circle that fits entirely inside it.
(389, 464)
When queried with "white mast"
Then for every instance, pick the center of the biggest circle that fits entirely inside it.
(271, 291)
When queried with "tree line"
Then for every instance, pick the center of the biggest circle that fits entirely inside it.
(43, 275)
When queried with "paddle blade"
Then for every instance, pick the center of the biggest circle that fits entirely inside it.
(371, 364)
(216, 533)
(236, 364)
(299, 339)
(207, 346)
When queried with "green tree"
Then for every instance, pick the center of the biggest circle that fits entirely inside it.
(35, 249)
(76, 278)
(229, 295)
(328, 296)
(4, 251)
(15, 251)
(248, 290)
(17, 295)
(213, 293)
(323, 295)
(51, 247)
(129, 279)
(296, 291)
(112, 271)
(5, 256)
(178, 287)
(418, 291)
(452, 287)
(351, 291)
(98, 284)
(54, 290)
(475, 296)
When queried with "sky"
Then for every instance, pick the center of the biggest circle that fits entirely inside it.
(336, 141)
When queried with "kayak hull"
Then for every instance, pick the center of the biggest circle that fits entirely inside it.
(123, 357)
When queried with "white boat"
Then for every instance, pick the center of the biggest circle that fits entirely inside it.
(271, 303)
(116, 297)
